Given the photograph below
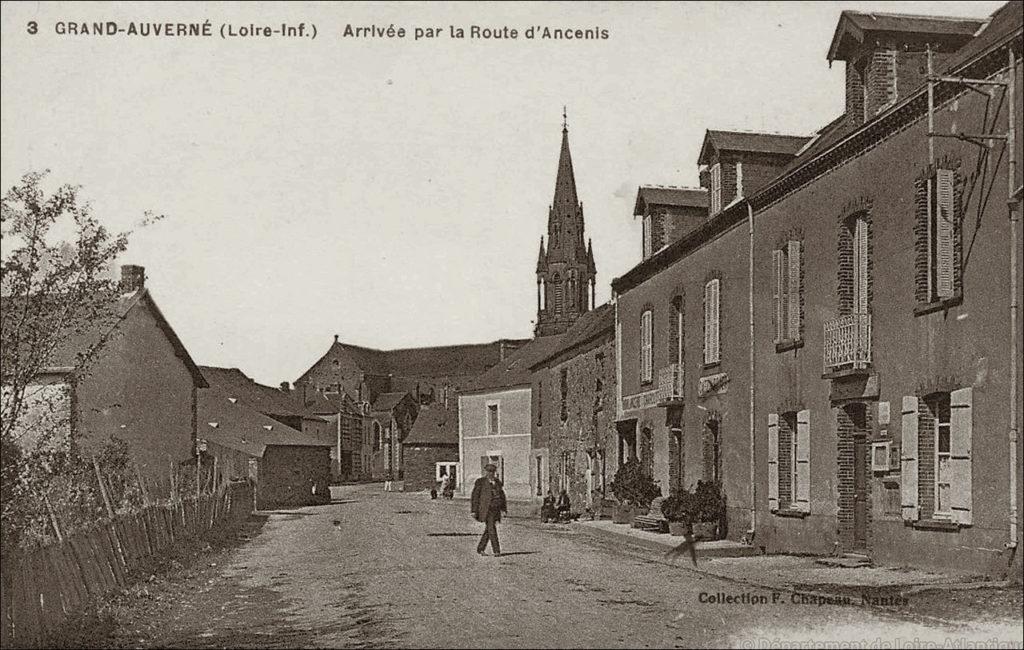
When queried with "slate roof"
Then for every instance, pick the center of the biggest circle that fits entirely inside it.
(435, 425)
(690, 197)
(73, 344)
(452, 360)
(515, 370)
(591, 325)
(774, 143)
(264, 399)
(232, 423)
(320, 403)
(387, 401)
(853, 26)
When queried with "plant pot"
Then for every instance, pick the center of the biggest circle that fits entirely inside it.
(677, 528)
(705, 530)
(622, 514)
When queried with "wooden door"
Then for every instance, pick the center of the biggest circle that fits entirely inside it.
(860, 492)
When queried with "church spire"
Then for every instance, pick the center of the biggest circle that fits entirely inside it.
(565, 201)
(565, 267)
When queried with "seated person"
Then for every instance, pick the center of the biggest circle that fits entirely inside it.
(547, 511)
(563, 506)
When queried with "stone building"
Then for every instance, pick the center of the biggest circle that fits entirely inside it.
(573, 430)
(431, 449)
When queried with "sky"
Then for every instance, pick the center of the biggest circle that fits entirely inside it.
(391, 191)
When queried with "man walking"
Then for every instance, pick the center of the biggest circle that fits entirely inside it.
(487, 504)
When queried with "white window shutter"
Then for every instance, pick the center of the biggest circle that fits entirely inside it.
(773, 462)
(777, 280)
(716, 188)
(944, 233)
(960, 434)
(648, 241)
(803, 462)
(739, 179)
(793, 310)
(711, 322)
(862, 266)
(908, 460)
(646, 347)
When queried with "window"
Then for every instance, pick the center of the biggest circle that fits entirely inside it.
(540, 476)
(492, 420)
(712, 348)
(789, 474)
(942, 267)
(558, 290)
(787, 292)
(716, 188)
(564, 394)
(648, 237)
(646, 347)
(936, 469)
(378, 442)
(941, 415)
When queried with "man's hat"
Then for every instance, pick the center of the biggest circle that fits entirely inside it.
(490, 467)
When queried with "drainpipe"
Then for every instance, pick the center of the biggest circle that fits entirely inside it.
(1012, 209)
(750, 290)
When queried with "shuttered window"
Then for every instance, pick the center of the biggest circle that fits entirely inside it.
(791, 489)
(646, 347)
(716, 188)
(941, 226)
(712, 297)
(947, 440)
(787, 291)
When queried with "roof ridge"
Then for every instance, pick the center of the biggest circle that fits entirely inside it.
(898, 14)
(756, 132)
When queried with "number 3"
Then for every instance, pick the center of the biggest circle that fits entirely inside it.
(32, 27)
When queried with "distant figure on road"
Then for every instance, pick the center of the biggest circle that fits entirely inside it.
(487, 504)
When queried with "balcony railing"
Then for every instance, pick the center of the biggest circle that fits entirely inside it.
(670, 383)
(848, 342)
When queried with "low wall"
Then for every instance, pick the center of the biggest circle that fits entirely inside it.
(43, 587)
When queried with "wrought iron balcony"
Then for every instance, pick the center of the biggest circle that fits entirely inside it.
(848, 343)
(670, 385)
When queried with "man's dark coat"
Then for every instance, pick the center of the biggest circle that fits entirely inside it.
(484, 494)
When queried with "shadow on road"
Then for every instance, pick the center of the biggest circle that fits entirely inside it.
(520, 553)
(453, 535)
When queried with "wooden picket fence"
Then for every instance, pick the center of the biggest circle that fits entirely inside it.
(42, 588)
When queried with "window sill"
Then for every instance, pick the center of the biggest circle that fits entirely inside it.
(939, 305)
(790, 513)
(847, 372)
(936, 524)
(788, 344)
(712, 366)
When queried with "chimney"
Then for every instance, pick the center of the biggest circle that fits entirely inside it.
(286, 388)
(133, 277)
(335, 338)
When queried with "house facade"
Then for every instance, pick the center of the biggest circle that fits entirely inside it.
(857, 336)
(431, 450)
(140, 386)
(495, 416)
(573, 424)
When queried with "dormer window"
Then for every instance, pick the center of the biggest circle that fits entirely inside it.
(716, 188)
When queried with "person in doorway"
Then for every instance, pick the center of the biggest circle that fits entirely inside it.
(487, 503)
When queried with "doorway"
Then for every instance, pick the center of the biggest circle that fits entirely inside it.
(860, 492)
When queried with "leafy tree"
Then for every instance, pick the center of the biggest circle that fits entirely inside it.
(56, 293)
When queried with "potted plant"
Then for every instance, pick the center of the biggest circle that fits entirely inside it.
(709, 507)
(633, 489)
(680, 511)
